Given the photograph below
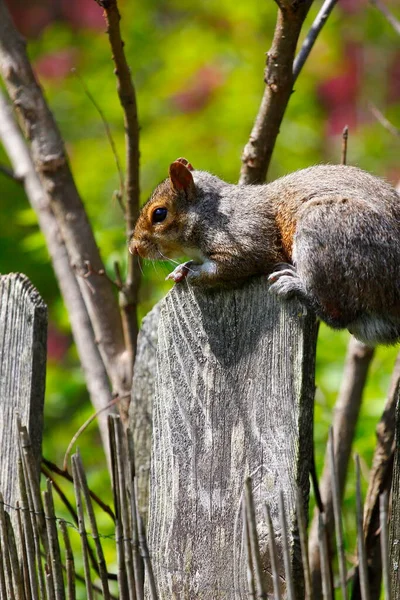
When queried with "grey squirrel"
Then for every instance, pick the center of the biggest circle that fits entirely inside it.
(328, 235)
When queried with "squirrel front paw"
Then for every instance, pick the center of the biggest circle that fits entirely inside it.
(180, 272)
(285, 282)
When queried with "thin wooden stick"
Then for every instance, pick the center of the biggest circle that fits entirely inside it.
(146, 558)
(24, 559)
(255, 547)
(50, 593)
(54, 547)
(5, 545)
(122, 464)
(324, 553)
(345, 138)
(119, 541)
(251, 585)
(28, 534)
(383, 515)
(137, 559)
(362, 555)
(93, 524)
(18, 587)
(286, 551)
(301, 523)
(312, 35)
(33, 488)
(26, 483)
(82, 532)
(273, 554)
(337, 515)
(69, 563)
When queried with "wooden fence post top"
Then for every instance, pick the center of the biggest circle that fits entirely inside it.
(23, 338)
(234, 398)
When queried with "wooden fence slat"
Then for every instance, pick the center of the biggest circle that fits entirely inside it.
(23, 338)
(394, 520)
(234, 398)
(140, 409)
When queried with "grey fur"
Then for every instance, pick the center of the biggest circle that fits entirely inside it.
(346, 243)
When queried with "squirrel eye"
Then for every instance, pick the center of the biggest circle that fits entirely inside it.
(159, 215)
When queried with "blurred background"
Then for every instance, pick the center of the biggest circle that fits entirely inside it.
(198, 70)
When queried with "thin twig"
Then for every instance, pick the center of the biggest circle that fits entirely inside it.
(395, 23)
(312, 35)
(345, 137)
(83, 427)
(383, 120)
(53, 467)
(128, 298)
(120, 194)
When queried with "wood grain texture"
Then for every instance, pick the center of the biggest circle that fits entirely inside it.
(141, 406)
(394, 520)
(23, 335)
(234, 398)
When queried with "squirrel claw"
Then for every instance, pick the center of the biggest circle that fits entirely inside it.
(179, 273)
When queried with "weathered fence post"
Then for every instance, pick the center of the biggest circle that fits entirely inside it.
(394, 521)
(234, 398)
(23, 334)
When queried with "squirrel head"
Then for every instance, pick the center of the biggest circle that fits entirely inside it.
(159, 230)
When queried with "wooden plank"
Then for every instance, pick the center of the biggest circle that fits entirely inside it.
(141, 406)
(394, 520)
(23, 335)
(234, 398)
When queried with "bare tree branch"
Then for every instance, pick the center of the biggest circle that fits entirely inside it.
(395, 23)
(51, 164)
(126, 92)
(92, 364)
(280, 74)
(312, 35)
(346, 413)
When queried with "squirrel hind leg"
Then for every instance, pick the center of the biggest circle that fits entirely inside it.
(374, 329)
(286, 284)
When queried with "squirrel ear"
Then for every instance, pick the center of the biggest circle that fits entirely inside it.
(180, 176)
(185, 162)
